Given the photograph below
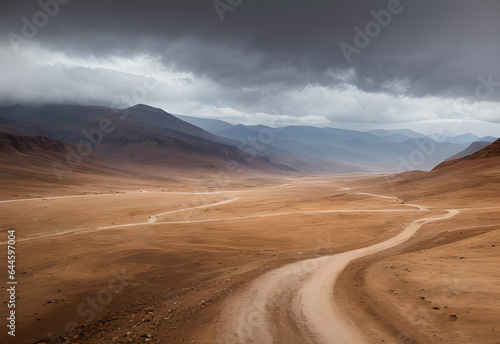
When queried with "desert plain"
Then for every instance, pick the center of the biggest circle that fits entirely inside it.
(249, 172)
(375, 258)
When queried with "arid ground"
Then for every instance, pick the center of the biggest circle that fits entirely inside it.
(256, 260)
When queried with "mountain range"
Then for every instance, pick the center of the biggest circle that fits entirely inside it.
(62, 138)
(374, 150)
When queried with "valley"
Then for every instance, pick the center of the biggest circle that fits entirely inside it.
(249, 172)
(203, 242)
(186, 256)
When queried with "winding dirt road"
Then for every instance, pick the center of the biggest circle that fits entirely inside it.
(295, 303)
(287, 305)
(153, 219)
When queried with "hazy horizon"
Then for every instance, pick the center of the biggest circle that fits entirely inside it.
(136, 210)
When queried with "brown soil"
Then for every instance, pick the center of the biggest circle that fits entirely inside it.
(101, 268)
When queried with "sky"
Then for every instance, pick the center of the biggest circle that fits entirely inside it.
(419, 64)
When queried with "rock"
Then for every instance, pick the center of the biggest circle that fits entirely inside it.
(453, 317)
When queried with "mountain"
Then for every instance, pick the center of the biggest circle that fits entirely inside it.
(146, 136)
(492, 151)
(328, 136)
(383, 150)
(453, 184)
(401, 135)
(269, 141)
(488, 139)
(405, 132)
(68, 122)
(307, 143)
(397, 138)
(26, 159)
(349, 146)
(473, 148)
(140, 134)
(238, 132)
(210, 125)
(464, 138)
(28, 144)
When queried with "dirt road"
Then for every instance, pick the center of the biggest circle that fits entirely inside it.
(295, 303)
(289, 303)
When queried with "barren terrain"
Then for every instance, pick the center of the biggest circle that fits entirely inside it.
(325, 259)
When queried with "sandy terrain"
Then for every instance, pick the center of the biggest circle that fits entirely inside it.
(263, 260)
(308, 285)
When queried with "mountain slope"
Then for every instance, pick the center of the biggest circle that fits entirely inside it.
(473, 148)
(491, 151)
(146, 135)
(350, 146)
(488, 138)
(139, 134)
(28, 144)
(210, 125)
(405, 132)
(464, 138)
(67, 122)
(26, 159)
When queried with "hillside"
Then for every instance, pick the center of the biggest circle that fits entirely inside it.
(27, 143)
(490, 151)
(140, 134)
(473, 148)
(347, 146)
(75, 144)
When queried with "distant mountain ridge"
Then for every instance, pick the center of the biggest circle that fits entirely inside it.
(404, 132)
(473, 148)
(490, 151)
(149, 135)
(348, 146)
(139, 133)
(379, 149)
(210, 125)
(145, 135)
(488, 139)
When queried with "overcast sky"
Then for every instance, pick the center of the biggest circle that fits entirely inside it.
(322, 62)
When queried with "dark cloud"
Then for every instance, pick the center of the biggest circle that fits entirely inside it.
(430, 48)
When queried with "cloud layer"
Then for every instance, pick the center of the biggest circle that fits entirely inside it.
(419, 60)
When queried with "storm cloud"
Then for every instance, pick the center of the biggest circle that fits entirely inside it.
(354, 61)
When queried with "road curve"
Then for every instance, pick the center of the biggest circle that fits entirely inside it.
(295, 303)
